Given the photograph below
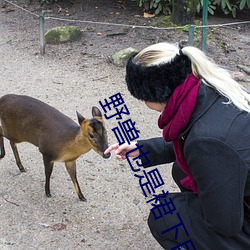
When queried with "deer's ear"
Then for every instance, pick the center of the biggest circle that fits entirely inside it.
(80, 118)
(96, 111)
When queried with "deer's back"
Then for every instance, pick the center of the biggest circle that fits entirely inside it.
(24, 118)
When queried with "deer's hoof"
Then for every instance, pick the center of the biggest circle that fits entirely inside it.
(82, 198)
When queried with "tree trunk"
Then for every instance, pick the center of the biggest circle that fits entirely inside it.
(183, 11)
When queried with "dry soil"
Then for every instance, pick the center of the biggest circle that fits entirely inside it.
(76, 76)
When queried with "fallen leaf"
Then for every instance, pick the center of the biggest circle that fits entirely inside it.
(147, 15)
(58, 227)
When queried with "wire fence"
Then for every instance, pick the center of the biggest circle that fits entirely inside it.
(191, 28)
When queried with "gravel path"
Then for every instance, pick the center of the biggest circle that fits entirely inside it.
(72, 77)
(115, 215)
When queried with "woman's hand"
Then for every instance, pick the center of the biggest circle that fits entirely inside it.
(121, 150)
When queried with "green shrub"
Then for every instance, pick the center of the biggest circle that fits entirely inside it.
(211, 7)
(227, 6)
(232, 6)
(157, 6)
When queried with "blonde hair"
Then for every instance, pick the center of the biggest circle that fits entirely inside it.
(204, 68)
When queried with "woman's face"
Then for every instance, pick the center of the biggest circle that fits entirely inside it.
(156, 106)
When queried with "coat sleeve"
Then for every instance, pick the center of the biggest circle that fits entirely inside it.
(220, 173)
(160, 151)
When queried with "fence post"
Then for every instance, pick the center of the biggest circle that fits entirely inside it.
(204, 24)
(42, 31)
(191, 35)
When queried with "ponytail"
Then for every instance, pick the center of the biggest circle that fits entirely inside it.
(218, 78)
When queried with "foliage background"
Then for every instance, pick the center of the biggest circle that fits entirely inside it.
(164, 6)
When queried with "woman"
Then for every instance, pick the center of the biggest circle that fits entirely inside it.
(205, 118)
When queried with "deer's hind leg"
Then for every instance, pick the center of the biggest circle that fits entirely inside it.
(71, 168)
(18, 161)
(1, 144)
(48, 164)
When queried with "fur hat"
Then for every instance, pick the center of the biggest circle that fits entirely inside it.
(156, 83)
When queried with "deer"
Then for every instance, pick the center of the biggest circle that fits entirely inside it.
(58, 138)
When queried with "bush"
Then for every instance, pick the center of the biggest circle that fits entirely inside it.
(232, 6)
(156, 6)
(165, 6)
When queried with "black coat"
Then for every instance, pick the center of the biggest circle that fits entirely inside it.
(216, 145)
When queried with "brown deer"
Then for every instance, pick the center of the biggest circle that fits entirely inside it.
(59, 138)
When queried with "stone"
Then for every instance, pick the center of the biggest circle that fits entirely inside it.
(121, 58)
(239, 76)
(2, 3)
(63, 34)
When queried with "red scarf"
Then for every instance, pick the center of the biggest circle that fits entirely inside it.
(174, 119)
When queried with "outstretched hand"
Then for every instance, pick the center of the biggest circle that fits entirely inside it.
(121, 150)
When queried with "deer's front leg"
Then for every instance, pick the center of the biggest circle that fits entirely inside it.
(71, 168)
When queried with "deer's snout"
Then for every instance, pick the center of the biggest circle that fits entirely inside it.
(106, 156)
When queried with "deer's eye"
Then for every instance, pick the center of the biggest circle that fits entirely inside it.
(91, 136)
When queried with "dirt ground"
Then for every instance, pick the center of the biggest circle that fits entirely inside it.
(76, 76)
